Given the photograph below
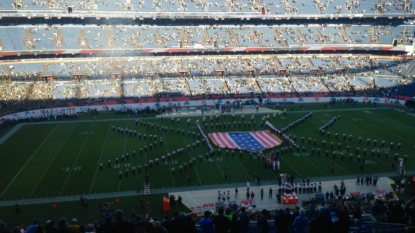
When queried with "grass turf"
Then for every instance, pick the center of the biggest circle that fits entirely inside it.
(61, 159)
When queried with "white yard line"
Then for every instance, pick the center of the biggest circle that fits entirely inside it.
(24, 165)
(53, 159)
(123, 152)
(197, 174)
(295, 170)
(342, 168)
(391, 119)
(243, 167)
(74, 163)
(167, 151)
(99, 160)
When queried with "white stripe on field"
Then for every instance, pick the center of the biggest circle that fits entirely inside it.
(24, 165)
(53, 159)
(73, 165)
(99, 160)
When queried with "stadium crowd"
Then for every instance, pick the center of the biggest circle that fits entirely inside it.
(121, 37)
(339, 216)
(25, 96)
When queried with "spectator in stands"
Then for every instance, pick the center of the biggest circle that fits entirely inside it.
(32, 228)
(108, 224)
(166, 223)
(359, 227)
(344, 219)
(300, 222)
(175, 223)
(311, 213)
(410, 211)
(139, 224)
(321, 224)
(189, 225)
(378, 211)
(222, 223)
(50, 226)
(122, 225)
(235, 224)
(3, 227)
(282, 221)
(262, 223)
(63, 226)
(40, 229)
(206, 223)
(73, 226)
(357, 212)
(395, 212)
(157, 228)
(243, 220)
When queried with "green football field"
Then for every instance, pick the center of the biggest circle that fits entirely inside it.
(62, 158)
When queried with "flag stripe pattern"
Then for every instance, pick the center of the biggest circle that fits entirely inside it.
(251, 141)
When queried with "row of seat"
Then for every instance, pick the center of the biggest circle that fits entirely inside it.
(360, 65)
(331, 7)
(268, 85)
(53, 37)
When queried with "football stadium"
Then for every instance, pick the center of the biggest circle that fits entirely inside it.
(203, 116)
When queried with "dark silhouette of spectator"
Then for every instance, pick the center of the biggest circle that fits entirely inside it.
(122, 225)
(321, 224)
(189, 225)
(222, 223)
(63, 226)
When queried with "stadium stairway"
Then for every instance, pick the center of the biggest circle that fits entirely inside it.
(255, 38)
(157, 39)
(345, 37)
(260, 89)
(301, 37)
(234, 39)
(6, 69)
(410, 69)
(373, 37)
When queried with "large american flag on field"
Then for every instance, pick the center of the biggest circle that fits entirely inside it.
(251, 141)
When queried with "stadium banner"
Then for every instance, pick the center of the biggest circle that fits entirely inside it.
(39, 113)
(250, 141)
